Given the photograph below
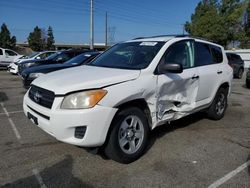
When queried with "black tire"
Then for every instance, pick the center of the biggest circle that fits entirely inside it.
(248, 84)
(240, 73)
(218, 107)
(113, 148)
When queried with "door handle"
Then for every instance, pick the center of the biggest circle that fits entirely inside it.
(219, 72)
(195, 77)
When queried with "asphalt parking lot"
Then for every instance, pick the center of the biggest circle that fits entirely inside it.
(192, 152)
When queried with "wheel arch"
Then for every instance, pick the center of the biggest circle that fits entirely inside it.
(138, 103)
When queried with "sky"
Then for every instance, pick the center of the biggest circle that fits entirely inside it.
(70, 19)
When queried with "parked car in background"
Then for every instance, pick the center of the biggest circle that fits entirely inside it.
(13, 67)
(28, 75)
(248, 78)
(130, 89)
(8, 56)
(59, 57)
(237, 64)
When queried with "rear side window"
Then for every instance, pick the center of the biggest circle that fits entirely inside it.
(217, 54)
(1, 52)
(203, 54)
(10, 53)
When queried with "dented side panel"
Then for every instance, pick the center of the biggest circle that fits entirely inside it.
(176, 95)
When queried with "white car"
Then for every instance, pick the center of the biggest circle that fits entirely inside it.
(135, 86)
(13, 67)
(8, 56)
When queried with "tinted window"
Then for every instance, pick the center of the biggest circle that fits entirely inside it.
(236, 57)
(63, 57)
(80, 59)
(129, 55)
(203, 55)
(10, 53)
(1, 52)
(180, 53)
(217, 54)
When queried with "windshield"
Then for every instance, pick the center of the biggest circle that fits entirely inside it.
(51, 57)
(78, 59)
(33, 54)
(130, 55)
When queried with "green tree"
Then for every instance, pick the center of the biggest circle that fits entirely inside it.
(50, 39)
(218, 20)
(6, 41)
(35, 39)
(207, 23)
(245, 35)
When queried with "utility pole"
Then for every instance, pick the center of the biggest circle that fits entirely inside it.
(91, 25)
(106, 29)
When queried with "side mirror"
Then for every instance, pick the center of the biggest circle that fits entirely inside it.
(170, 68)
(38, 57)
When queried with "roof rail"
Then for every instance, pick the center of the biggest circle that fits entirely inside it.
(175, 36)
(158, 36)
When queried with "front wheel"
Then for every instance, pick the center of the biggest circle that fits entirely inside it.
(218, 107)
(129, 136)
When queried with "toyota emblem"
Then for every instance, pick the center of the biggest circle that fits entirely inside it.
(37, 97)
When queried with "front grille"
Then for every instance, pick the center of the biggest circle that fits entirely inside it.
(41, 96)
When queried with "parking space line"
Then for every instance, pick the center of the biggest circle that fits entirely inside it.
(11, 122)
(229, 175)
(39, 178)
(13, 112)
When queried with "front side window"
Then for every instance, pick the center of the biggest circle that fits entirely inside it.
(180, 53)
(1, 52)
(130, 55)
(203, 54)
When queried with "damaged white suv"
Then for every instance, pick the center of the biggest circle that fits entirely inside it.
(129, 90)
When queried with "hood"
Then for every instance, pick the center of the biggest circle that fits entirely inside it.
(44, 68)
(83, 77)
(34, 61)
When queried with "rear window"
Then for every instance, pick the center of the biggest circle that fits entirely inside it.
(1, 52)
(217, 54)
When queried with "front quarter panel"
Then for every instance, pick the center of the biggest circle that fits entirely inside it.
(142, 88)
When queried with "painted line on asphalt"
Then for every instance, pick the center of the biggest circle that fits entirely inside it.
(13, 112)
(39, 178)
(229, 175)
(11, 122)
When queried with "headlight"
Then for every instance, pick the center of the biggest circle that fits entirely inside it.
(83, 100)
(35, 75)
(28, 64)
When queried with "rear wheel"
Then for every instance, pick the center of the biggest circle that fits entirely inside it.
(218, 107)
(129, 136)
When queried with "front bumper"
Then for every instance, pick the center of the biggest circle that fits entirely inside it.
(61, 123)
(13, 69)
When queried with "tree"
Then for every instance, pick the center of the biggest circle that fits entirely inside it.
(50, 39)
(35, 39)
(218, 20)
(6, 41)
(206, 22)
(245, 35)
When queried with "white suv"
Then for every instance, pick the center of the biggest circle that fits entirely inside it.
(129, 90)
(8, 56)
